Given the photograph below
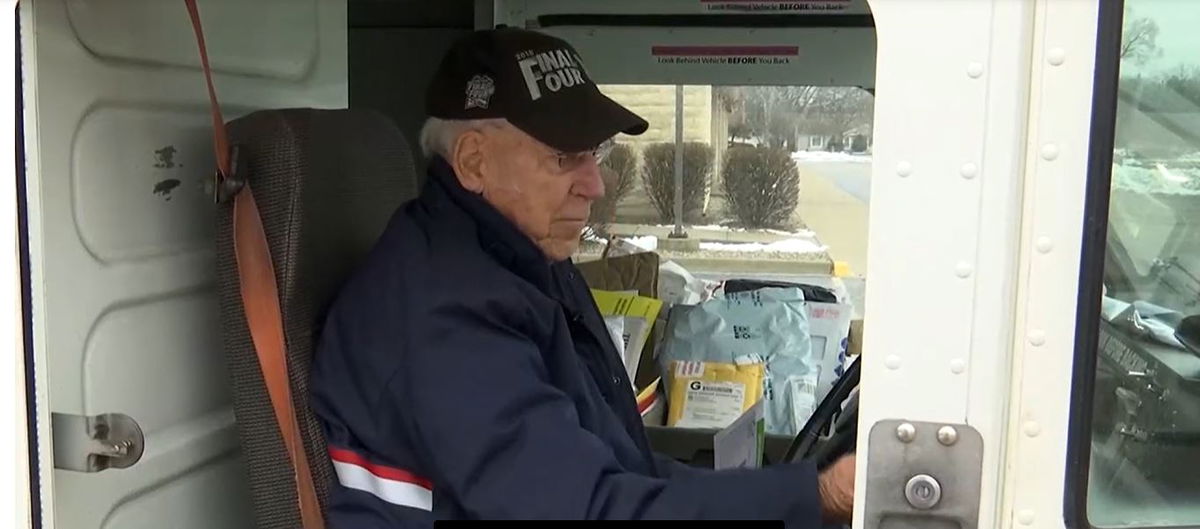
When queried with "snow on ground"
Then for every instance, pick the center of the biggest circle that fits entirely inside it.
(1192, 157)
(713, 227)
(808, 234)
(784, 246)
(1156, 179)
(648, 243)
(590, 235)
(823, 156)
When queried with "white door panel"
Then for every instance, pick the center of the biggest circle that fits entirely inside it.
(121, 227)
(263, 38)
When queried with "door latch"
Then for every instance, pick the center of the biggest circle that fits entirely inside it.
(923, 475)
(96, 443)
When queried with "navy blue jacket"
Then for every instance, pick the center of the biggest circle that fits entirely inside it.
(461, 375)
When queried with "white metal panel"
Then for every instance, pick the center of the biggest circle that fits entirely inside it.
(1055, 183)
(120, 163)
(989, 369)
(270, 38)
(951, 100)
(929, 123)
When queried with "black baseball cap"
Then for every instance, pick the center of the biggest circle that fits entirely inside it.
(535, 81)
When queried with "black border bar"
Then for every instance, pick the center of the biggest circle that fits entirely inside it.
(708, 21)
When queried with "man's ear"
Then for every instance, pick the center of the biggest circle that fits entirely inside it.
(469, 159)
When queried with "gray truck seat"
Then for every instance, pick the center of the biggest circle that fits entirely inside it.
(326, 183)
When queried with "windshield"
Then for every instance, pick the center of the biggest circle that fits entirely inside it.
(1154, 226)
(1146, 410)
(775, 182)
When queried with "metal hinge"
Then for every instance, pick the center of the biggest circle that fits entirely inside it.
(96, 443)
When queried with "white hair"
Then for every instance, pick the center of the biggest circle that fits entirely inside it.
(438, 136)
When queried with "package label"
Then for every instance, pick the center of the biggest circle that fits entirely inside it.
(710, 404)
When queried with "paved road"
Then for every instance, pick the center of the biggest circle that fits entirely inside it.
(834, 204)
(853, 178)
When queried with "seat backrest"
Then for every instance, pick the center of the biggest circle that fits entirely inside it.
(326, 182)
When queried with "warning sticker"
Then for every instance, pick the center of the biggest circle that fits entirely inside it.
(711, 404)
(741, 55)
(776, 6)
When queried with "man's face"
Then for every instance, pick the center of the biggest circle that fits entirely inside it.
(547, 194)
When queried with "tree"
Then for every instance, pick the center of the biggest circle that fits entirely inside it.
(1139, 38)
(1184, 83)
(733, 101)
(775, 115)
(1167, 100)
(619, 172)
(658, 179)
(769, 113)
(762, 187)
(837, 110)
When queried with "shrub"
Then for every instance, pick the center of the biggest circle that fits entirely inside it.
(762, 186)
(619, 170)
(858, 143)
(659, 179)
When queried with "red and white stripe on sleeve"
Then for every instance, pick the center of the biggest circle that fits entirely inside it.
(393, 485)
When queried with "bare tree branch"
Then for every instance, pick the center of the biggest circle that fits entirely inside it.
(1139, 38)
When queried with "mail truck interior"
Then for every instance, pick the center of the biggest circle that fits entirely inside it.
(970, 232)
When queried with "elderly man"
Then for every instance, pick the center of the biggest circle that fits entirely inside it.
(465, 372)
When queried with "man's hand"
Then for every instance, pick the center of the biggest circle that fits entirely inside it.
(836, 486)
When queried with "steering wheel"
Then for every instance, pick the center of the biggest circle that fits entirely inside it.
(832, 431)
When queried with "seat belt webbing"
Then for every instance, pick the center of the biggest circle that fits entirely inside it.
(260, 300)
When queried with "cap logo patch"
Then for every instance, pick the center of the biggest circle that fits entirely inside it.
(479, 92)
(551, 71)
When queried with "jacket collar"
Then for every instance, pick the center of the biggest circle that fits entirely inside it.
(498, 236)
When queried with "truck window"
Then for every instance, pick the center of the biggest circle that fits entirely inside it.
(776, 182)
(1143, 440)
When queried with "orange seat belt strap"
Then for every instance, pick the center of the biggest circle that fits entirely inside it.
(260, 301)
